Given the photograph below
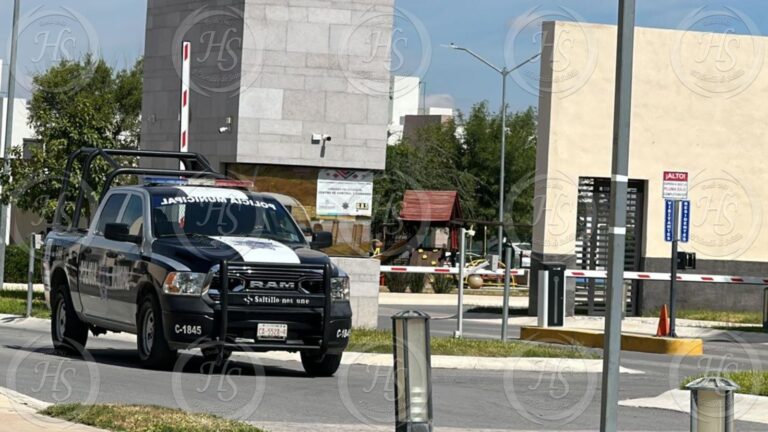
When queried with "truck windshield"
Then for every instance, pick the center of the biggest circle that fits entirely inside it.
(215, 212)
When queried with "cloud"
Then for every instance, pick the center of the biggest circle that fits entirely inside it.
(441, 100)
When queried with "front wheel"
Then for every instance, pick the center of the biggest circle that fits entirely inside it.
(153, 348)
(320, 365)
(68, 332)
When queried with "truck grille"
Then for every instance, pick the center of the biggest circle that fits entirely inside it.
(247, 278)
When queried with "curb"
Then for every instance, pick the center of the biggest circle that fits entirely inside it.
(517, 364)
(629, 342)
(523, 364)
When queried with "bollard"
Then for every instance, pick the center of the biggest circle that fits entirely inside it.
(462, 257)
(543, 298)
(712, 404)
(765, 310)
(505, 312)
(30, 273)
(413, 372)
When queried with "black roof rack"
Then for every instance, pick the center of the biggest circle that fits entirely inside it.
(196, 165)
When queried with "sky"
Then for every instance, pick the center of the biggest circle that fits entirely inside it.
(505, 32)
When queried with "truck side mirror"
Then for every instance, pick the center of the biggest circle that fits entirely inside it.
(120, 232)
(321, 240)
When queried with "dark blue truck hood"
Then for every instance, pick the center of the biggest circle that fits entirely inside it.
(200, 253)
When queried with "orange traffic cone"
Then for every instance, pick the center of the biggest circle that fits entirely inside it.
(663, 329)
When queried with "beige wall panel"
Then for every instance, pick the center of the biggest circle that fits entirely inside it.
(699, 105)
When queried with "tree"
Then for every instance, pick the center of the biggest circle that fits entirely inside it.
(74, 104)
(431, 162)
(464, 156)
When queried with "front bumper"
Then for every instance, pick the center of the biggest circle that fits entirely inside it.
(321, 325)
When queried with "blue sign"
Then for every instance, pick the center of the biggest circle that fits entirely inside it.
(669, 221)
(685, 221)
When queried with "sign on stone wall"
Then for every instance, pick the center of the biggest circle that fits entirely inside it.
(344, 192)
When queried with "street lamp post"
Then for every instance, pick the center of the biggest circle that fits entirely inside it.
(504, 72)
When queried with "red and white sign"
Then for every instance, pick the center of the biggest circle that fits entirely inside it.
(675, 185)
(185, 74)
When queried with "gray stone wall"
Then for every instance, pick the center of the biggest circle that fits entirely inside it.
(364, 289)
(215, 75)
(711, 296)
(282, 70)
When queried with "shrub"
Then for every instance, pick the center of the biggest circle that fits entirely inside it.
(17, 264)
(397, 282)
(442, 284)
(416, 282)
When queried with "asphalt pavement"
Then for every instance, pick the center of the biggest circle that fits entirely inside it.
(279, 396)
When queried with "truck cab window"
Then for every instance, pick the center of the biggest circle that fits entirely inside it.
(110, 212)
(133, 216)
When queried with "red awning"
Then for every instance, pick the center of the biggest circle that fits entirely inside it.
(430, 206)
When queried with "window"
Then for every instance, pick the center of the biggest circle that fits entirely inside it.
(110, 212)
(133, 216)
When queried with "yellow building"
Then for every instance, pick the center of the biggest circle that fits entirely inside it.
(699, 105)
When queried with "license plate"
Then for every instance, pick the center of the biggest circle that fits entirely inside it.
(272, 331)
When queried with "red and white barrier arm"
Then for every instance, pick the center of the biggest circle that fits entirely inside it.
(602, 274)
(588, 274)
(447, 270)
(417, 269)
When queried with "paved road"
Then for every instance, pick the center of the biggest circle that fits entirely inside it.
(357, 397)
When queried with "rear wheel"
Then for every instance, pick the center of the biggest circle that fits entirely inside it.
(153, 348)
(320, 365)
(68, 332)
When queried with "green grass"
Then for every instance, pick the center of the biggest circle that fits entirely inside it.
(711, 315)
(15, 303)
(380, 341)
(140, 418)
(751, 382)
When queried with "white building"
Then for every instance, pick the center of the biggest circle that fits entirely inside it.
(21, 129)
(405, 100)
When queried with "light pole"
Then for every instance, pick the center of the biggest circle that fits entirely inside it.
(504, 72)
(8, 143)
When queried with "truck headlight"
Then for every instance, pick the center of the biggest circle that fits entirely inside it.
(185, 283)
(339, 288)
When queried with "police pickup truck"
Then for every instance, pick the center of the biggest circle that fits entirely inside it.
(189, 259)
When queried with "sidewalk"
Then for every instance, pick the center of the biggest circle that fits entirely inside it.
(18, 413)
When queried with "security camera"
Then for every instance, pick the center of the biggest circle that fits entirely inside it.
(318, 139)
(225, 129)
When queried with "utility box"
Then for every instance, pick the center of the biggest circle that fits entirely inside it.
(686, 261)
(556, 293)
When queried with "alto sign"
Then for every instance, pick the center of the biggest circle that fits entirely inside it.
(675, 185)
